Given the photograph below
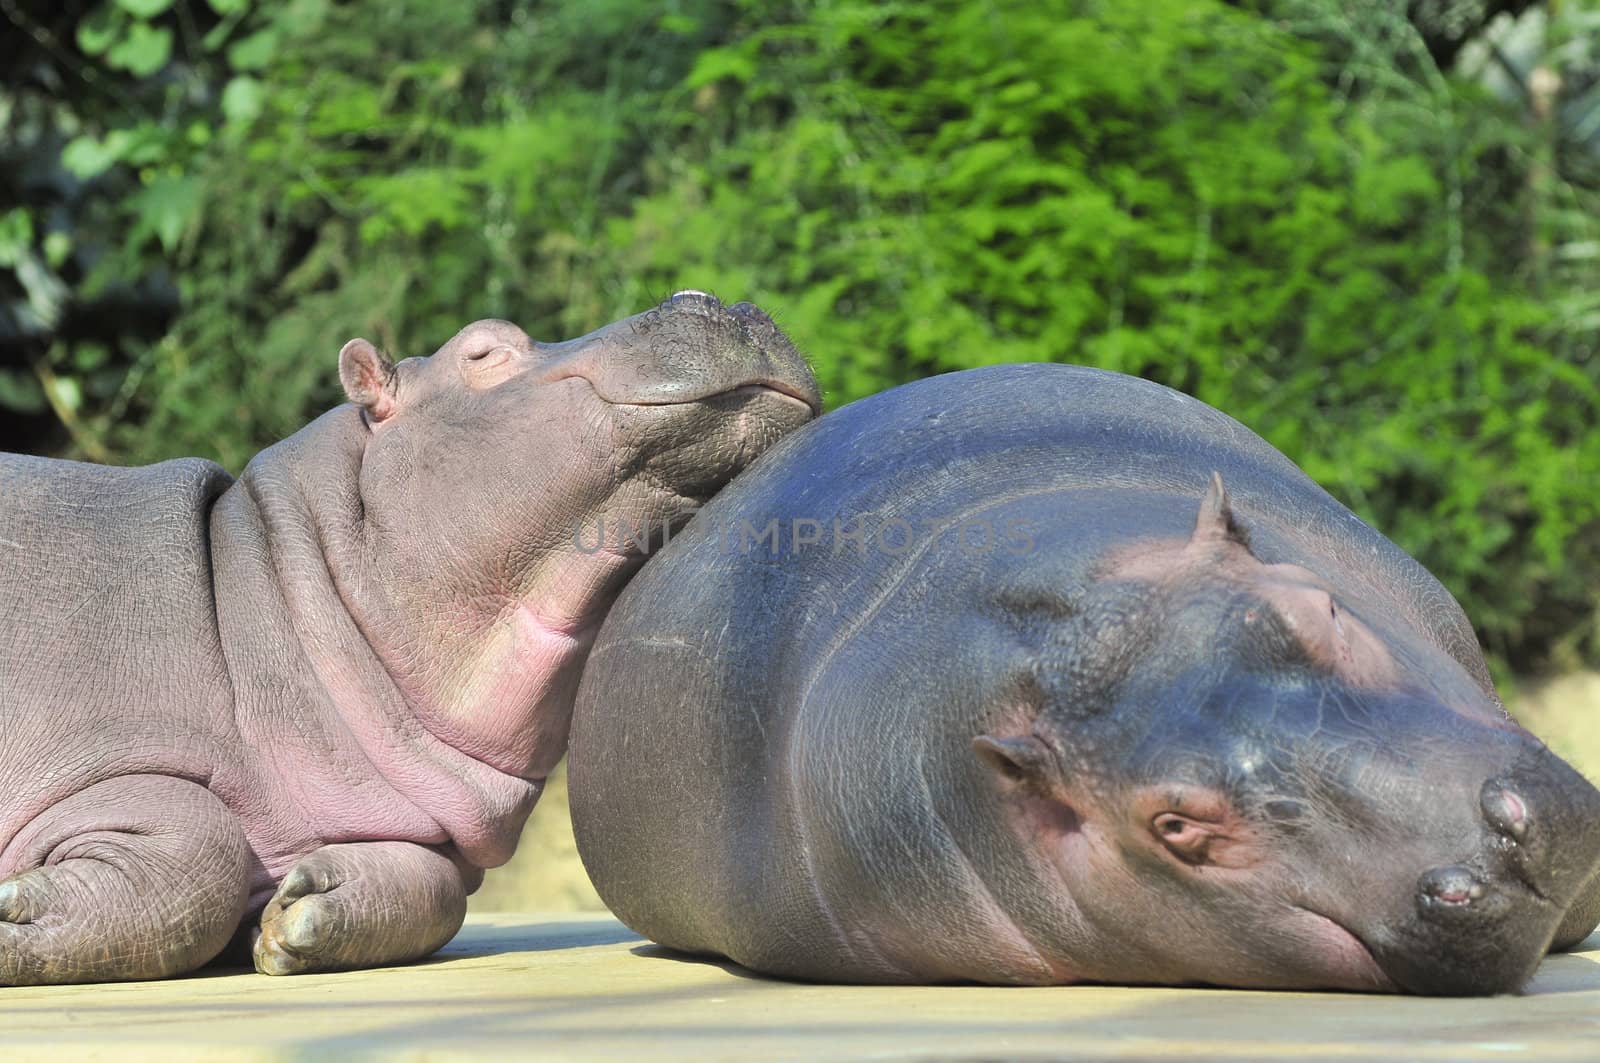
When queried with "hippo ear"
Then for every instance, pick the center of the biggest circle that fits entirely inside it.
(368, 378)
(1216, 523)
(1021, 760)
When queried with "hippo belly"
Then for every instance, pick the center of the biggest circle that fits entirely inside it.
(1043, 674)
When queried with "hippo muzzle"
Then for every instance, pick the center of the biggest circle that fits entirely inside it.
(1522, 883)
(688, 349)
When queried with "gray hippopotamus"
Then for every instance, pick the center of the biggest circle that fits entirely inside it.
(333, 689)
(1043, 674)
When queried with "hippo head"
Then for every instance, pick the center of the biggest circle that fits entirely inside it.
(507, 489)
(1301, 796)
(512, 451)
(664, 406)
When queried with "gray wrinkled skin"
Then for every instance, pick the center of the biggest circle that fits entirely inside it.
(330, 692)
(1178, 717)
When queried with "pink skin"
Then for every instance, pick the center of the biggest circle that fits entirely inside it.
(473, 664)
(367, 648)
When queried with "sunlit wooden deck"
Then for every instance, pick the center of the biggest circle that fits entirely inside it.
(584, 987)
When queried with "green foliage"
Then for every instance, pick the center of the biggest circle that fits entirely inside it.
(1291, 213)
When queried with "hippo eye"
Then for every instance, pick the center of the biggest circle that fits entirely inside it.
(1186, 839)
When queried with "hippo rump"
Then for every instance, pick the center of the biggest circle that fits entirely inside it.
(330, 692)
(1042, 674)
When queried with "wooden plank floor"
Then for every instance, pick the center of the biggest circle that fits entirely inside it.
(584, 987)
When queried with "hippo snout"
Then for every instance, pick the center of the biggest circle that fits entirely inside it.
(689, 349)
(1543, 822)
(1482, 923)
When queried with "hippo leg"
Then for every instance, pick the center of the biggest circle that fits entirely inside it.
(362, 904)
(140, 876)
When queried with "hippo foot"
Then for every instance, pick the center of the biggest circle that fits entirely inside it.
(297, 925)
(146, 879)
(23, 900)
(362, 904)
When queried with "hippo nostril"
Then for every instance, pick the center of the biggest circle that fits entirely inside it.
(1450, 885)
(1505, 810)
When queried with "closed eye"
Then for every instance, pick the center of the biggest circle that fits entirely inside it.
(1183, 837)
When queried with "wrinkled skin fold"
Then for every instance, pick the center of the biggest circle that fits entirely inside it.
(302, 712)
(1151, 708)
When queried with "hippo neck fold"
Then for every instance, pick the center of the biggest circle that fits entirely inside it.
(290, 534)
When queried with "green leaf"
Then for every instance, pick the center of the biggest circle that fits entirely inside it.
(16, 236)
(412, 201)
(150, 143)
(99, 31)
(719, 63)
(144, 8)
(20, 391)
(255, 51)
(57, 246)
(242, 100)
(87, 157)
(143, 51)
(228, 7)
(88, 356)
(163, 209)
(300, 17)
(217, 34)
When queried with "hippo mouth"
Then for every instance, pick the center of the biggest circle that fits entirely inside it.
(776, 388)
(1342, 957)
(786, 392)
(782, 390)
(688, 350)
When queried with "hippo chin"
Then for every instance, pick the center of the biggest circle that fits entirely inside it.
(1042, 674)
(330, 692)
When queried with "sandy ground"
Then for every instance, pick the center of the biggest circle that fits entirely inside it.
(546, 875)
